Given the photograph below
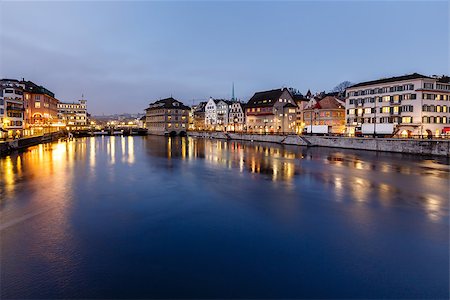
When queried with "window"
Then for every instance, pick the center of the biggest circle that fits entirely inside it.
(386, 98)
(406, 119)
(37, 104)
(428, 96)
(368, 110)
(385, 109)
(428, 85)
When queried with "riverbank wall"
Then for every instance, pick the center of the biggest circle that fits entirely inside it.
(23, 143)
(438, 147)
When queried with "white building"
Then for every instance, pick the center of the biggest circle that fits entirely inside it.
(11, 108)
(73, 115)
(216, 114)
(415, 104)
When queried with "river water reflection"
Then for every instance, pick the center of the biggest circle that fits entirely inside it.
(155, 217)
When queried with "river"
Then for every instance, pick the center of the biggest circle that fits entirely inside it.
(156, 217)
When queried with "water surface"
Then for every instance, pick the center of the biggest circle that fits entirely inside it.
(155, 217)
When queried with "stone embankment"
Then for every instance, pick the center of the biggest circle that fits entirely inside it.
(439, 147)
(23, 143)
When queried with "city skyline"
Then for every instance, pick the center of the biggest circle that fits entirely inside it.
(143, 51)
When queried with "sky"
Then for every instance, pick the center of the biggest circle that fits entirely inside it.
(123, 55)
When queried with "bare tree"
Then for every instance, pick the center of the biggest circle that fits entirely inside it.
(340, 88)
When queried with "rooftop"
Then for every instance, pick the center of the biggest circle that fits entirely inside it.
(391, 79)
(265, 98)
(168, 103)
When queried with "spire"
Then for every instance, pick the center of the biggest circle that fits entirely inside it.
(232, 93)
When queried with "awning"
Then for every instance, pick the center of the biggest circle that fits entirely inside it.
(445, 129)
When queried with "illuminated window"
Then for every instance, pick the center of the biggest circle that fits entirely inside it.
(367, 110)
(37, 104)
(385, 109)
(406, 119)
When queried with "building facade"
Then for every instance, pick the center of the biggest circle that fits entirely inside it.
(236, 116)
(216, 114)
(198, 115)
(12, 106)
(73, 115)
(329, 110)
(271, 111)
(167, 117)
(41, 109)
(301, 102)
(415, 104)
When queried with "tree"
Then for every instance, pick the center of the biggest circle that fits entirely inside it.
(340, 88)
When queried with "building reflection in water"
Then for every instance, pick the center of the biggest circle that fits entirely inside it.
(351, 176)
(362, 177)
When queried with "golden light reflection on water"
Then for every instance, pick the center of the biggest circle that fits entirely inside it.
(8, 175)
(433, 206)
(347, 175)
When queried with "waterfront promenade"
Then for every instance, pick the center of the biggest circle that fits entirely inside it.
(440, 147)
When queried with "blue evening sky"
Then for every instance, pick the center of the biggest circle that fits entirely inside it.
(124, 55)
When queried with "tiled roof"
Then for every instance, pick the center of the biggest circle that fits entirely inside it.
(266, 98)
(329, 102)
(300, 97)
(391, 79)
(167, 103)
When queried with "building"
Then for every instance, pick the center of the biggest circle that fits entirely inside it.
(271, 111)
(301, 102)
(167, 117)
(329, 110)
(216, 114)
(236, 116)
(198, 115)
(415, 104)
(11, 108)
(74, 115)
(41, 109)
